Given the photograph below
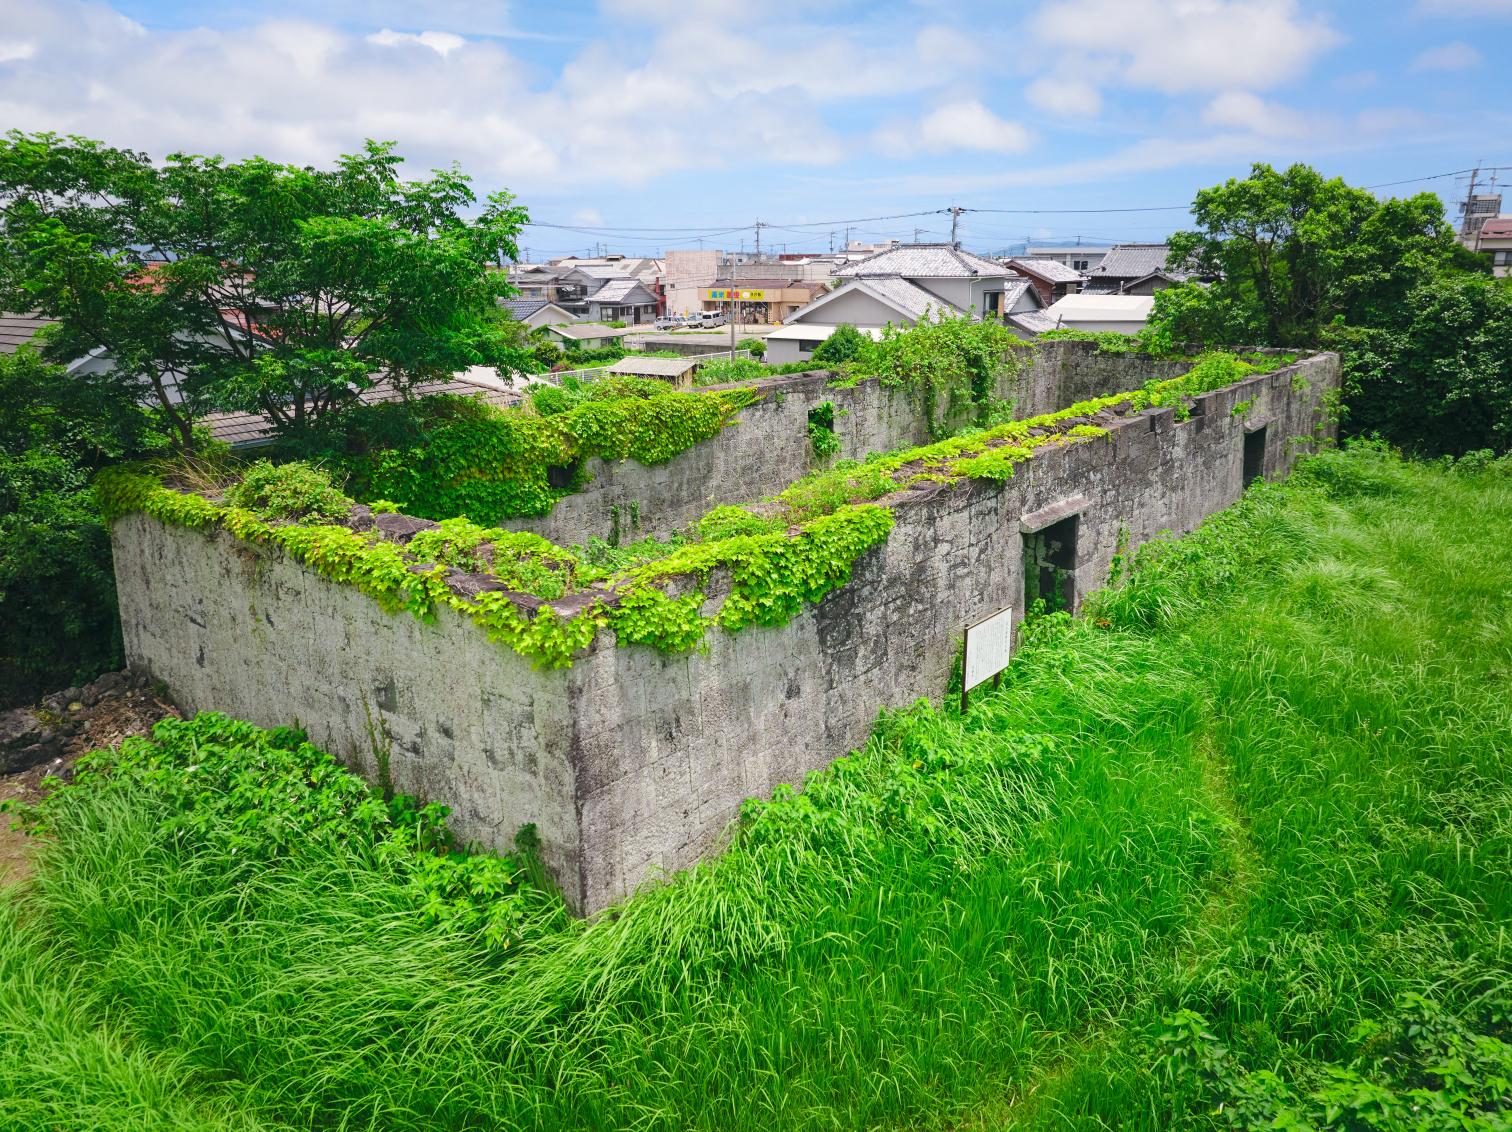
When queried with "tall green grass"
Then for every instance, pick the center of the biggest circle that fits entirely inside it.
(1264, 781)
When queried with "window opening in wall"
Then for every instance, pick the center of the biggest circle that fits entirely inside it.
(1254, 455)
(1050, 568)
(560, 476)
(821, 430)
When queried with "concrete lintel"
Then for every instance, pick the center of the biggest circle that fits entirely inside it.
(1037, 521)
(1255, 424)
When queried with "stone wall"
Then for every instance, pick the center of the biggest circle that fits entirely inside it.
(633, 762)
(768, 446)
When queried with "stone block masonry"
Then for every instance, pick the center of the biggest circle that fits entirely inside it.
(768, 447)
(633, 762)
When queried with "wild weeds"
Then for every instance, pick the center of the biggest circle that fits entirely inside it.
(1258, 792)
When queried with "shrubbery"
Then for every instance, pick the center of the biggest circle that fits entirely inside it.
(840, 347)
(1294, 260)
(58, 619)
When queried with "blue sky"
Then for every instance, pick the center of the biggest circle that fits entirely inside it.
(650, 124)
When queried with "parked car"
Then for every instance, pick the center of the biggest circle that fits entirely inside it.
(710, 319)
(670, 321)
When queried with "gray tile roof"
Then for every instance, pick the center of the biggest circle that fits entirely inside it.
(1013, 291)
(1035, 322)
(619, 291)
(923, 261)
(907, 297)
(1051, 269)
(523, 308)
(1131, 261)
(581, 331)
(246, 429)
(17, 329)
(596, 271)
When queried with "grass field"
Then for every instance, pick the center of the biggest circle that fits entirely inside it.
(1232, 850)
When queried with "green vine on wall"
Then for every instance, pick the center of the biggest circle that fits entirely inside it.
(448, 456)
(772, 574)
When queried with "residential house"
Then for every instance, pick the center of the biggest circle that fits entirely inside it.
(1123, 314)
(622, 300)
(584, 335)
(535, 312)
(1133, 269)
(535, 280)
(1495, 239)
(901, 286)
(603, 293)
(1050, 277)
(1074, 256)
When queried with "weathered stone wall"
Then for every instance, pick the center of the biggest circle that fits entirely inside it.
(768, 446)
(632, 761)
(235, 629)
(667, 747)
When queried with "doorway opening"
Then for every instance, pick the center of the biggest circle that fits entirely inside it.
(1050, 568)
(1254, 455)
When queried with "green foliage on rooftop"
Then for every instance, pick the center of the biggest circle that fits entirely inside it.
(448, 456)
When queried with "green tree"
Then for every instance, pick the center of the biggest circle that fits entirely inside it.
(1290, 253)
(840, 347)
(253, 285)
(58, 621)
(1437, 380)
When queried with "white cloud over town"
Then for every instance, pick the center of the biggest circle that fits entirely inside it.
(652, 88)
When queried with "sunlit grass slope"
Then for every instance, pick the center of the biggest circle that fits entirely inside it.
(1217, 844)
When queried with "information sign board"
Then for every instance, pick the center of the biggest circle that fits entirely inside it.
(989, 645)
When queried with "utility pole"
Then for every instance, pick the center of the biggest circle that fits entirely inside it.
(916, 234)
(758, 241)
(955, 217)
(848, 231)
(832, 242)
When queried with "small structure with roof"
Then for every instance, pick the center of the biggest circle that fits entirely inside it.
(1124, 314)
(1133, 269)
(535, 312)
(675, 371)
(584, 335)
(1050, 277)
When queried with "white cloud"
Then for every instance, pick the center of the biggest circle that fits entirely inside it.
(970, 125)
(963, 124)
(295, 90)
(1188, 45)
(1239, 109)
(1068, 97)
(1455, 56)
(443, 43)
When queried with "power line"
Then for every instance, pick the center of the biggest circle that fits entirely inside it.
(687, 235)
